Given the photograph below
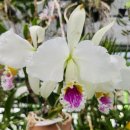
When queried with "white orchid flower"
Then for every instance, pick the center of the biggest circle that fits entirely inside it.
(104, 91)
(83, 61)
(119, 63)
(16, 51)
(123, 79)
(91, 62)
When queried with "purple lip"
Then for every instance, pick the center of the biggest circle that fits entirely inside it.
(73, 96)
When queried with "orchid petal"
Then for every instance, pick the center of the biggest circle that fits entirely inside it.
(75, 26)
(34, 84)
(37, 34)
(14, 50)
(94, 62)
(125, 79)
(118, 61)
(21, 91)
(99, 34)
(49, 59)
(47, 88)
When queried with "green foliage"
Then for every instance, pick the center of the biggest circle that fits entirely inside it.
(2, 28)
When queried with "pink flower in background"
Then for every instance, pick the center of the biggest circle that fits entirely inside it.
(7, 78)
(105, 104)
(7, 81)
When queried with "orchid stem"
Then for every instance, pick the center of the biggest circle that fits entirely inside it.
(35, 7)
(60, 18)
(90, 122)
(36, 100)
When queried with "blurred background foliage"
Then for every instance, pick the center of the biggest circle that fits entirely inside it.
(15, 104)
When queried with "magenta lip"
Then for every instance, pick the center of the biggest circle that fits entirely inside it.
(105, 100)
(73, 96)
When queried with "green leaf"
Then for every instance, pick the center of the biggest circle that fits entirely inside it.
(8, 105)
(2, 29)
(26, 31)
(53, 98)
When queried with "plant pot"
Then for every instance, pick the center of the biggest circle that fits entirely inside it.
(55, 125)
(121, 12)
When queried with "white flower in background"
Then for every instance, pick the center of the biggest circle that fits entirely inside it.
(123, 80)
(16, 51)
(105, 90)
(73, 97)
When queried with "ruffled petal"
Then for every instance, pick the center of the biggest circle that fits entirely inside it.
(48, 61)
(124, 84)
(14, 50)
(118, 61)
(94, 62)
(73, 97)
(75, 26)
(37, 34)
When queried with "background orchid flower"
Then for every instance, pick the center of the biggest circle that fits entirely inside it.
(7, 79)
(92, 62)
(120, 81)
(123, 78)
(21, 49)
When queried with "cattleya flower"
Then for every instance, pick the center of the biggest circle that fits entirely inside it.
(84, 61)
(103, 91)
(22, 51)
(73, 97)
(105, 102)
(91, 62)
(7, 79)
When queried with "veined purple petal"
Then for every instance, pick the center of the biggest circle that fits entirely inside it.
(104, 108)
(7, 81)
(105, 100)
(105, 104)
(73, 96)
